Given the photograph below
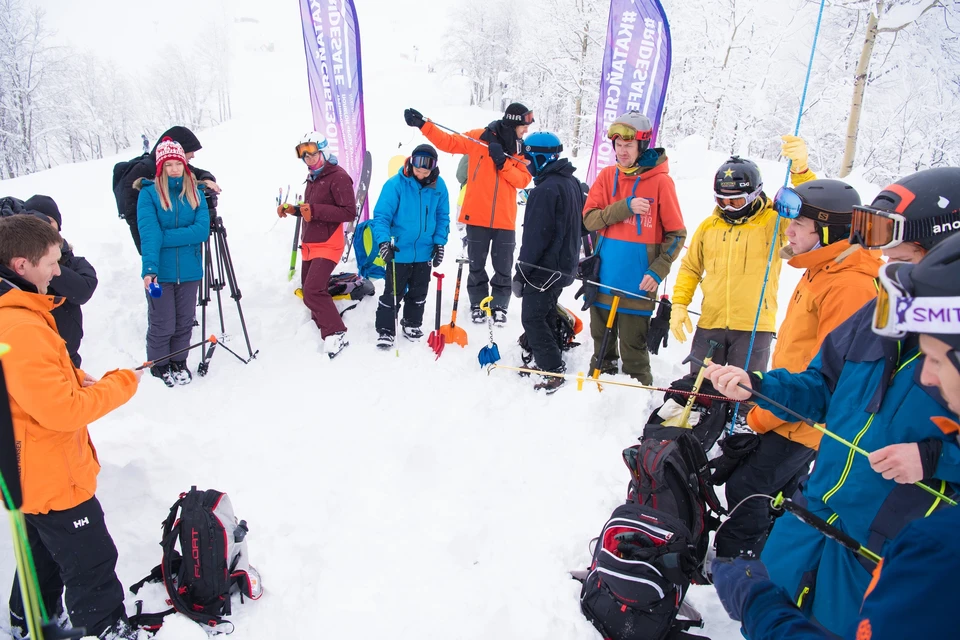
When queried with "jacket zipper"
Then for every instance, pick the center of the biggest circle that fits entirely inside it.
(493, 210)
(176, 224)
(420, 228)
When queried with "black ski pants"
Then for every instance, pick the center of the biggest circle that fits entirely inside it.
(413, 280)
(499, 244)
(73, 549)
(776, 464)
(538, 314)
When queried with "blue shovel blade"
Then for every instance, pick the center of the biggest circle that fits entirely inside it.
(489, 355)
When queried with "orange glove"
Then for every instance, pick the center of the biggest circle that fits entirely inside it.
(306, 212)
(285, 209)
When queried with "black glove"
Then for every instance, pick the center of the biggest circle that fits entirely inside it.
(437, 255)
(497, 154)
(735, 449)
(517, 288)
(413, 118)
(659, 330)
(386, 251)
(589, 293)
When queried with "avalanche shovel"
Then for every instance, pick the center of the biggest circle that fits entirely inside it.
(435, 340)
(451, 332)
(491, 353)
(611, 316)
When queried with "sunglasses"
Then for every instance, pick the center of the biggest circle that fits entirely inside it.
(423, 162)
(626, 132)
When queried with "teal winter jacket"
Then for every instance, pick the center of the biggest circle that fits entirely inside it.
(172, 241)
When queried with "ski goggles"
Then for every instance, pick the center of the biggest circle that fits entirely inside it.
(788, 203)
(423, 162)
(626, 132)
(736, 202)
(898, 313)
(305, 148)
(876, 228)
(520, 120)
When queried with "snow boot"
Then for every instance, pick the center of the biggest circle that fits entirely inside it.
(413, 334)
(18, 626)
(477, 315)
(335, 343)
(549, 384)
(181, 374)
(120, 630)
(163, 372)
(499, 316)
(385, 341)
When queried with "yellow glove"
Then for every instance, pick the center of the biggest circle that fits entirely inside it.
(795, 149)
(680, 319)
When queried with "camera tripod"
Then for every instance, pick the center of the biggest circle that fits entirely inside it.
(217, 273)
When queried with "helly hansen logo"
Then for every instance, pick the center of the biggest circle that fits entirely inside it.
(81, 523)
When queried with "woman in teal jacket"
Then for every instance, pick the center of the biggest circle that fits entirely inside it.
(414, 210)
(174, 222)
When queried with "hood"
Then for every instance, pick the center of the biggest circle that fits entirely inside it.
(839, 256)
(17, 293)
(186, 138)
(504, 134)
(560, 167)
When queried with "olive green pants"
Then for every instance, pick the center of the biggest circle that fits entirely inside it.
(630, 332)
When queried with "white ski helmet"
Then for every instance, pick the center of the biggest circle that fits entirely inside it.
(311, 142)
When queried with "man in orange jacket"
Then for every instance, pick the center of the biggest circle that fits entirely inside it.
(839, 278)
(494, 174)
(51, 403)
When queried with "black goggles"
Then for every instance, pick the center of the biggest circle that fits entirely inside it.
(423, 162)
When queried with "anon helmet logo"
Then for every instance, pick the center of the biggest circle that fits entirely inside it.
(943, 203)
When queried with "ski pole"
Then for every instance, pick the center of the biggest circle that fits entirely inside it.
(624, 292)
(396, 307)
(822, 429)
(581, 378)
(519, 159)
(825, 528)
(146, 365)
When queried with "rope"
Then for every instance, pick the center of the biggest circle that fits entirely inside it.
(580, 378)
(776, 227)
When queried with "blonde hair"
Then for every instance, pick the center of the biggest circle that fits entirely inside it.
(189, 188)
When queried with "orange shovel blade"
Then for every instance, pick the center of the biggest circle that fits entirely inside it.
(452, 333)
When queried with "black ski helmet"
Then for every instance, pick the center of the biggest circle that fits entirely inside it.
(830, 204)
(737, 177)
(930, 202)
(937, 275)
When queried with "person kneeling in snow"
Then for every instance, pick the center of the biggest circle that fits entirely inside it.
(414, 210)
(551, 241)
(328, 202)
(51, 402)
(913, 590)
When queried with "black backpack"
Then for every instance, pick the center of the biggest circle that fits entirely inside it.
(565, 330)
(653, 547)
(120, 170)
(211, 565)
(710, 416)
(10, 206)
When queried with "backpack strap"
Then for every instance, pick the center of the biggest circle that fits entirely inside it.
(156, 575)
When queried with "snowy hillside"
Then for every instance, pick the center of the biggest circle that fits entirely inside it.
(387, 496)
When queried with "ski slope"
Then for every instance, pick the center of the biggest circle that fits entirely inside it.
(386, 496)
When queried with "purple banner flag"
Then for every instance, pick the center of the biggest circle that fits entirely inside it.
(636, 68)
(331, 40)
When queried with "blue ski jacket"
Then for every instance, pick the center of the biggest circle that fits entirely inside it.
(172, 240)
(417, 216)
(913, 594)
(867, 390)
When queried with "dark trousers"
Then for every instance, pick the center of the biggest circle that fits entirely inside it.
(314, 281)
(499, 244)
(630, 331)
(538, 313)
(773, 466)
(170, 318)
(135, 233)
(73, 549)
(733, 348)
(413, 281)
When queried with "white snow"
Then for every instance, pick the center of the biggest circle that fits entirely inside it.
(386, 496)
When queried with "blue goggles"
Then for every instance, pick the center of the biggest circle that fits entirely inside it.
(423, 162)
(788, 203)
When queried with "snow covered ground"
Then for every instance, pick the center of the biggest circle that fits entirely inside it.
(386, 496)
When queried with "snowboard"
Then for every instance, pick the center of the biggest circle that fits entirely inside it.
(363, 186)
